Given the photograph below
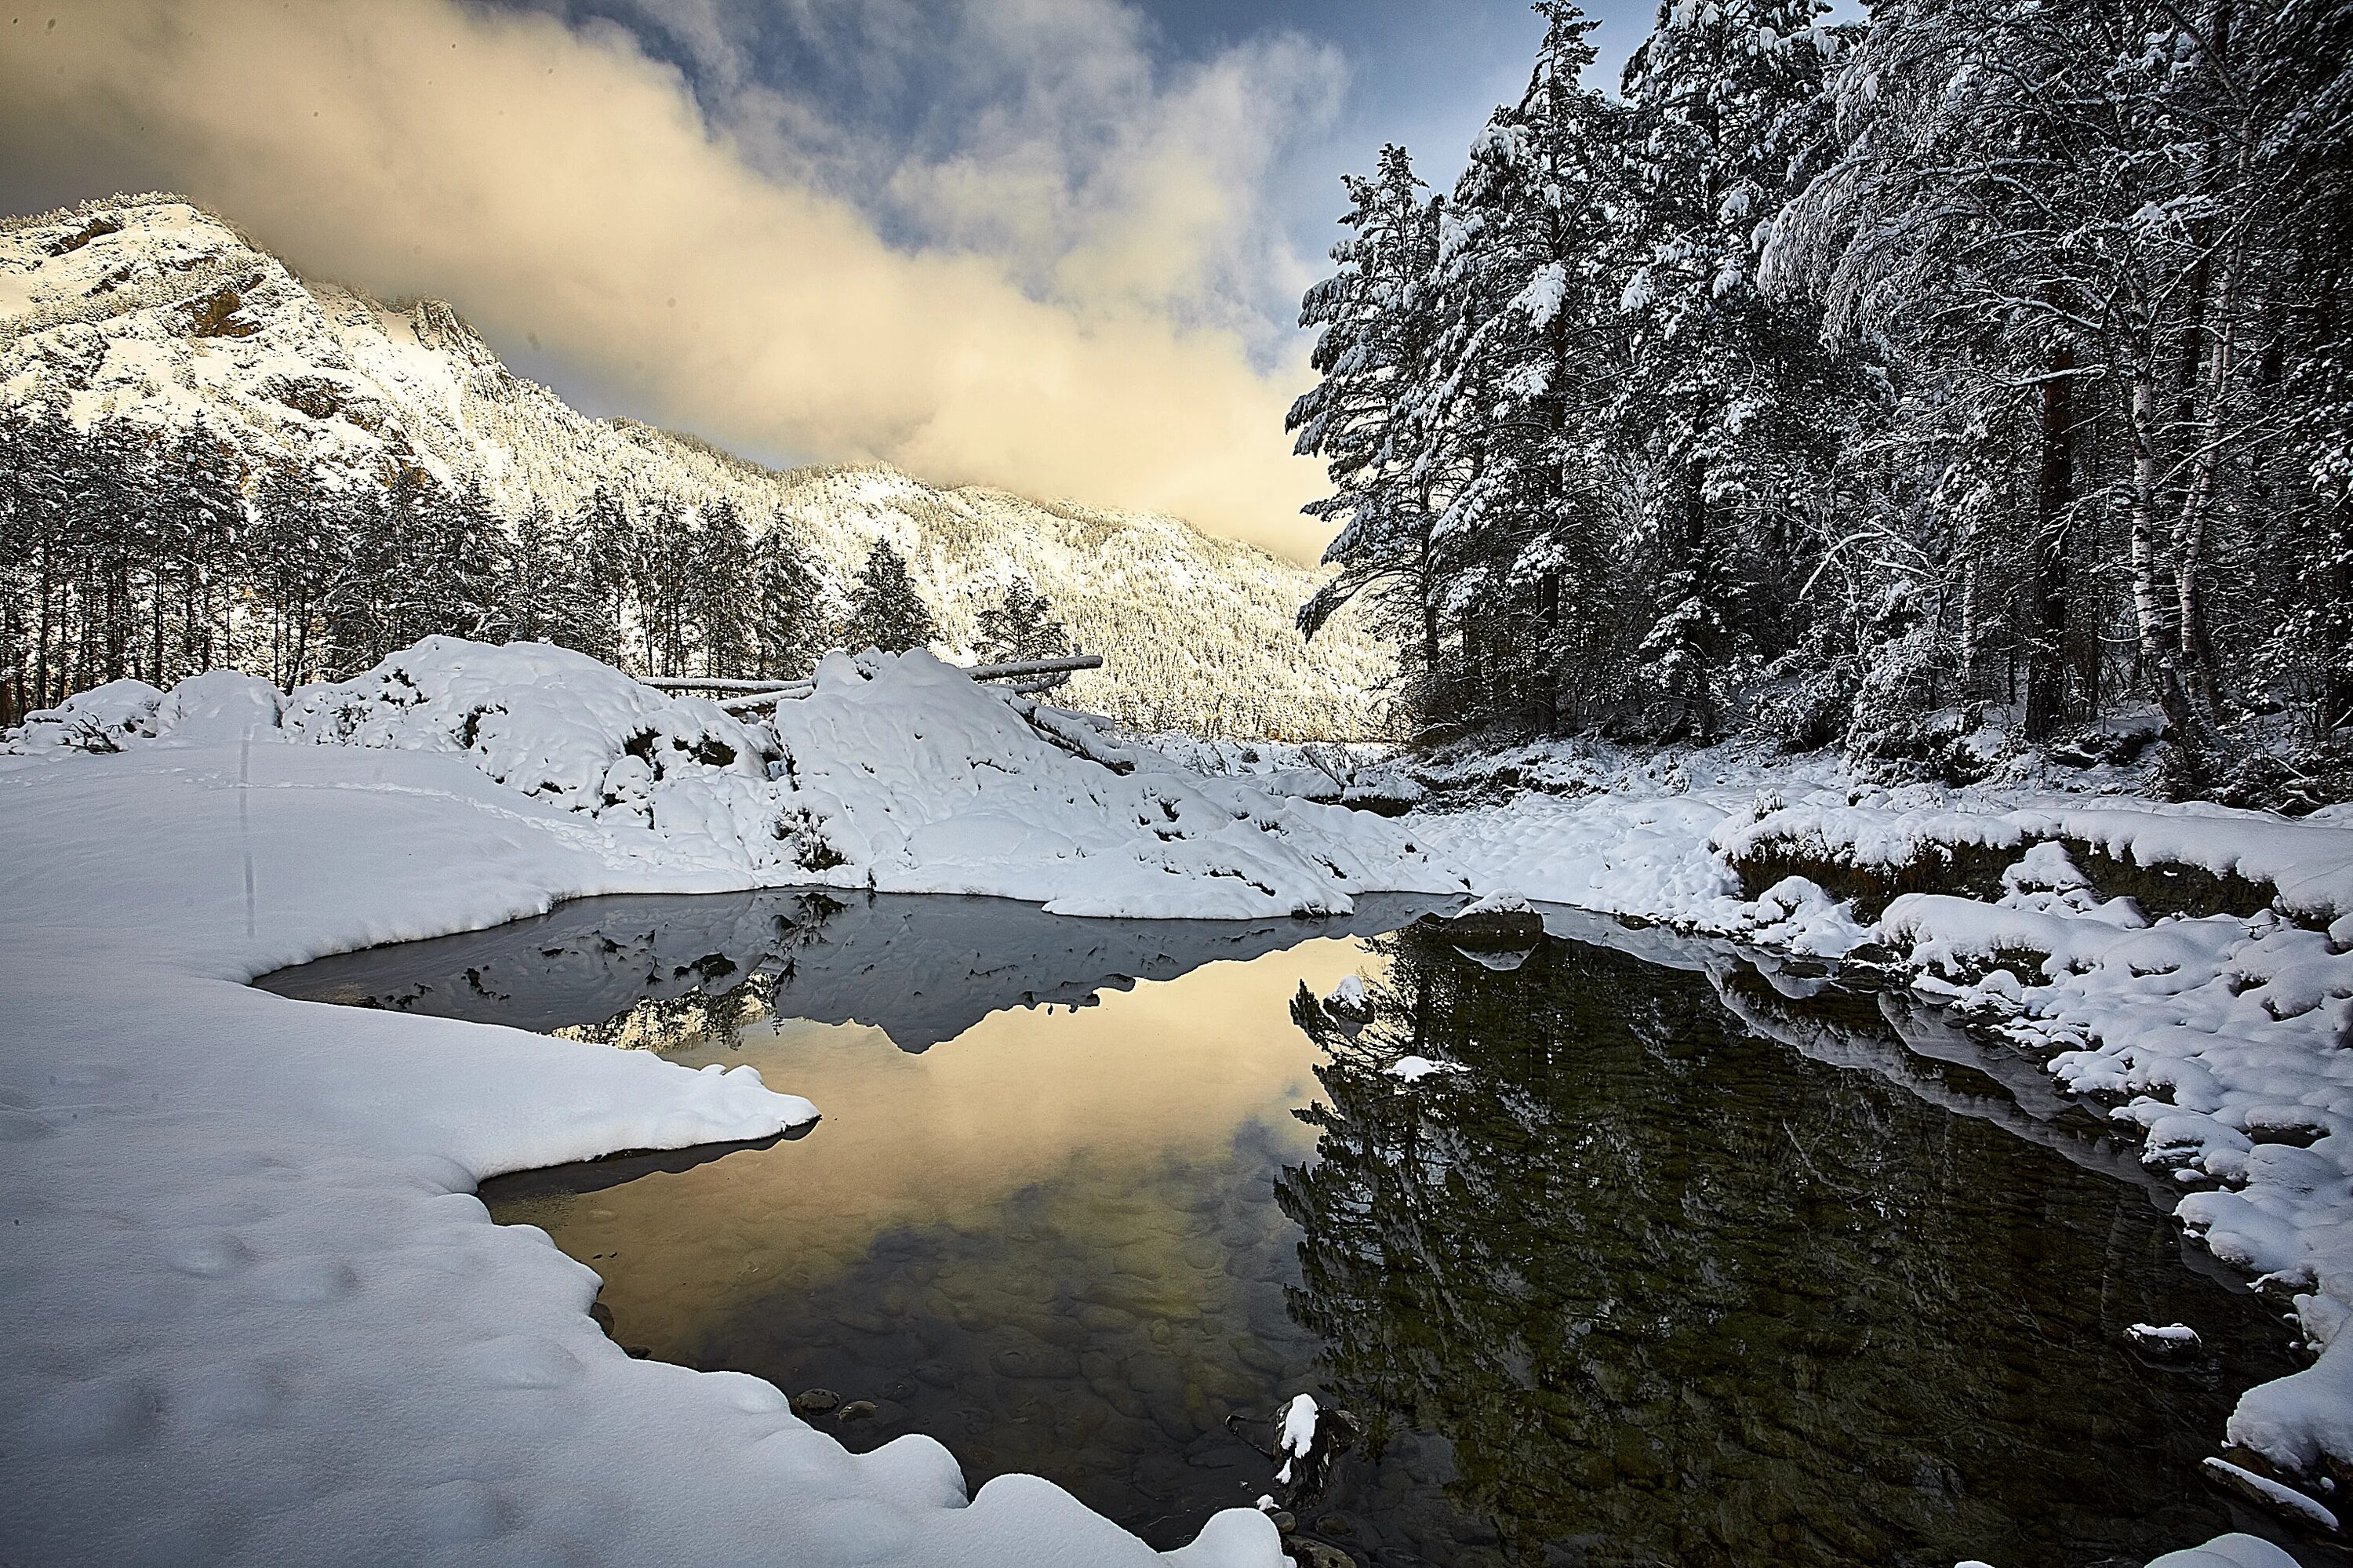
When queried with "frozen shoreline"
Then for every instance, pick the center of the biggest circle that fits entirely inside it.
(271, 1320)
(2221, 1040)
(273, 1317)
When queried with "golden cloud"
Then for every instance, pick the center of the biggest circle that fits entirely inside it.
(555, 181)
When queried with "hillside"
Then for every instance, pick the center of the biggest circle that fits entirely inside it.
(151, 308)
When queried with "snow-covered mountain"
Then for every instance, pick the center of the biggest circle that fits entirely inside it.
(152, 307)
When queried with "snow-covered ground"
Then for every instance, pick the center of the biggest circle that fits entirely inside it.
(271, 1319)
(258, 1312)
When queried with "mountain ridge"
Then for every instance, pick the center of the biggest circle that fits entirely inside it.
(153, 308)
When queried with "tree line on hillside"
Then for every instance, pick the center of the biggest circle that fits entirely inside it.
(1864, 383)
(130, 553)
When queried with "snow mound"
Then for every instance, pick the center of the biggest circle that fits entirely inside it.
(546, 721)
(922, 780)
(2232, 1551)
(1413, 1069)
(898, 774)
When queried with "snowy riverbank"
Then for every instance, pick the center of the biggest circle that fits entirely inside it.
(2221, 1038)
(273, 1321)
(262, 1315)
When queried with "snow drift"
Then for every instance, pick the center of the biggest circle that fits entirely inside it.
(898, 774)
(260, 1313)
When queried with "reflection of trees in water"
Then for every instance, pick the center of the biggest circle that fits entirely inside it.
(1676, 1294)
(721, 997)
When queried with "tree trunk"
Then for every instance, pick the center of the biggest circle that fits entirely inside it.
(2046, 662)
(1699, 698)
(2159, 648)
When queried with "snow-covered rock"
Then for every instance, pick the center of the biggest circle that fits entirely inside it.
(2232, 1551)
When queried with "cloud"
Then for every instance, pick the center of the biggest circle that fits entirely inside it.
(1038, 292)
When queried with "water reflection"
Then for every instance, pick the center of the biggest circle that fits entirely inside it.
(1676, 1294)
(1688, 1265)
(667, 972)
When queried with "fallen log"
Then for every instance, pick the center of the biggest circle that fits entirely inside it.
(751, 694)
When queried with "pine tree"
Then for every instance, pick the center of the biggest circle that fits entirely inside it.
(885, 611)
(723, 592)
(788, 620)
(546, 598)
(201, 514)
(1021, 626)
(1525, 359)
(1724, 394)
(1375, 352)
(607, 542)
(299, 556)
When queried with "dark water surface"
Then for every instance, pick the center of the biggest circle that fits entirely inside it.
(1686, 1265)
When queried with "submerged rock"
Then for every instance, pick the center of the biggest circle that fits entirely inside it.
(814, 1402)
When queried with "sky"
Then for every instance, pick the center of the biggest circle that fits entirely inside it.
(1051, 245)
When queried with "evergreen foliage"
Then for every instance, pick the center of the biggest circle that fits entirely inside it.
(1982, 365)
(885, 611)
(124, 554)
(788, 628)
(1022, 626)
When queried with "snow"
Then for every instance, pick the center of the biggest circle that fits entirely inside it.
(2232, 1551)
(2172, 1334)
(896, 774)
(1413, 1069)
(267, 1316)
(2286, 1500)
(1298, 1436)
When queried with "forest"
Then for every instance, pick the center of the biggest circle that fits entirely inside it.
(130, 553)
(1966, 380)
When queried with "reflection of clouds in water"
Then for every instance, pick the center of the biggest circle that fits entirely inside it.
(1096, 1100)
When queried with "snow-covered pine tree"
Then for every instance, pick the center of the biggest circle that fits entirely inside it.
(1377, 331)
(1511, 440)
(1725, 395)
(607, 540)
(1021, 626)
(788, 622)
(663, 577)
(201, 514)
(885, 611)
(299, 559)
(724, 603)
(544, 597)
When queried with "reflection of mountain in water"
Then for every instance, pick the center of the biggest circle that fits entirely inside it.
(1676, 1294)
(662, 972)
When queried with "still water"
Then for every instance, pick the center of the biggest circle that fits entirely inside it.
(1687, 1264)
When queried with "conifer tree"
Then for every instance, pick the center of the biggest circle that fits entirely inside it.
(1021, 626)
(723, 589)
(885, 611)
(788, 623)
(1525, 357)
(1378, 325)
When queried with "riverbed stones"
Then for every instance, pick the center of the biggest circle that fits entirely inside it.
(815, 1401)
(855, 1410)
